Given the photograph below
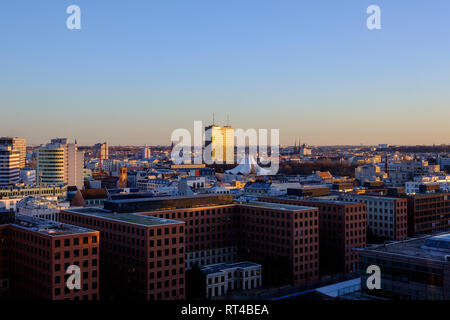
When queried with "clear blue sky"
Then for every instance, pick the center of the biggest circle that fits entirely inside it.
(139, 69)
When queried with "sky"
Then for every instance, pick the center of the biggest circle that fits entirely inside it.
(137, 70)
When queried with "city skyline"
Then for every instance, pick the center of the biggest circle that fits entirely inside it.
(135, 73)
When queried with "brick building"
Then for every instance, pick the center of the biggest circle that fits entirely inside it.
(202, 234)
(428, 213)
(253, 231)
(36, 253)
(142, 257)
(342, 228)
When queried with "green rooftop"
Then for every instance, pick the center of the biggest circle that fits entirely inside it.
(123, 217)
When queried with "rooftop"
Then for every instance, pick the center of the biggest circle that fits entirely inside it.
(165, 198)
(279, 206)
(432, 247)
(221, 267)
(314, 199)
(124, 217)
(47, 227)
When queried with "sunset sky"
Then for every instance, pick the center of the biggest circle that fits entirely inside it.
(137, 70)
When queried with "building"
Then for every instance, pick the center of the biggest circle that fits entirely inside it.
(428, 213)
(342, 231)
(224, 277)
(90, 198)
(369, 173)
(36, 254)
(428, 184)
(221, 142)
(142, 257)
(75, 166)
(417, 269)
(283, 238)
(9, 166)
(386, 217)
(102, 150)
(17, 144)
(60, 162)
(122, 177)
(146, 153)
(21, 191)
(309, 191)
(41, 208)
(28, 176)
(158, 203)
(51, 165)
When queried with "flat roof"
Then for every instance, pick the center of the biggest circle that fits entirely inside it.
(415, 248)
(315, 199)
(133, 218)
(222, 267)
(47, 227)
(167, 198)
(279, 206)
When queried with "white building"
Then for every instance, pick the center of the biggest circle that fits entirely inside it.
(413, 187)
(41, 208)
(369, 173)
(224, 277)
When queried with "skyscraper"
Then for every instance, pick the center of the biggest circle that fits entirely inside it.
(221, 140)
(18, 144)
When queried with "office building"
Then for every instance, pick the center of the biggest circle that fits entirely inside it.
(17, 144)
(60, 162)
(284, 237)
(142, 257)
(36, 254)
(342, 231)
(387, 217)
(221, 142)
(9, 166)
(428, 213)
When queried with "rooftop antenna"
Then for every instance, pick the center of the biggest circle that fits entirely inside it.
(213, 119)
(228, 120)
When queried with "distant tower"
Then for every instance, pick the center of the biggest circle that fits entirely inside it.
(122, 178)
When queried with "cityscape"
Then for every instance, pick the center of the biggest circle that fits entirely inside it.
(140, 227)
(224, 158)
